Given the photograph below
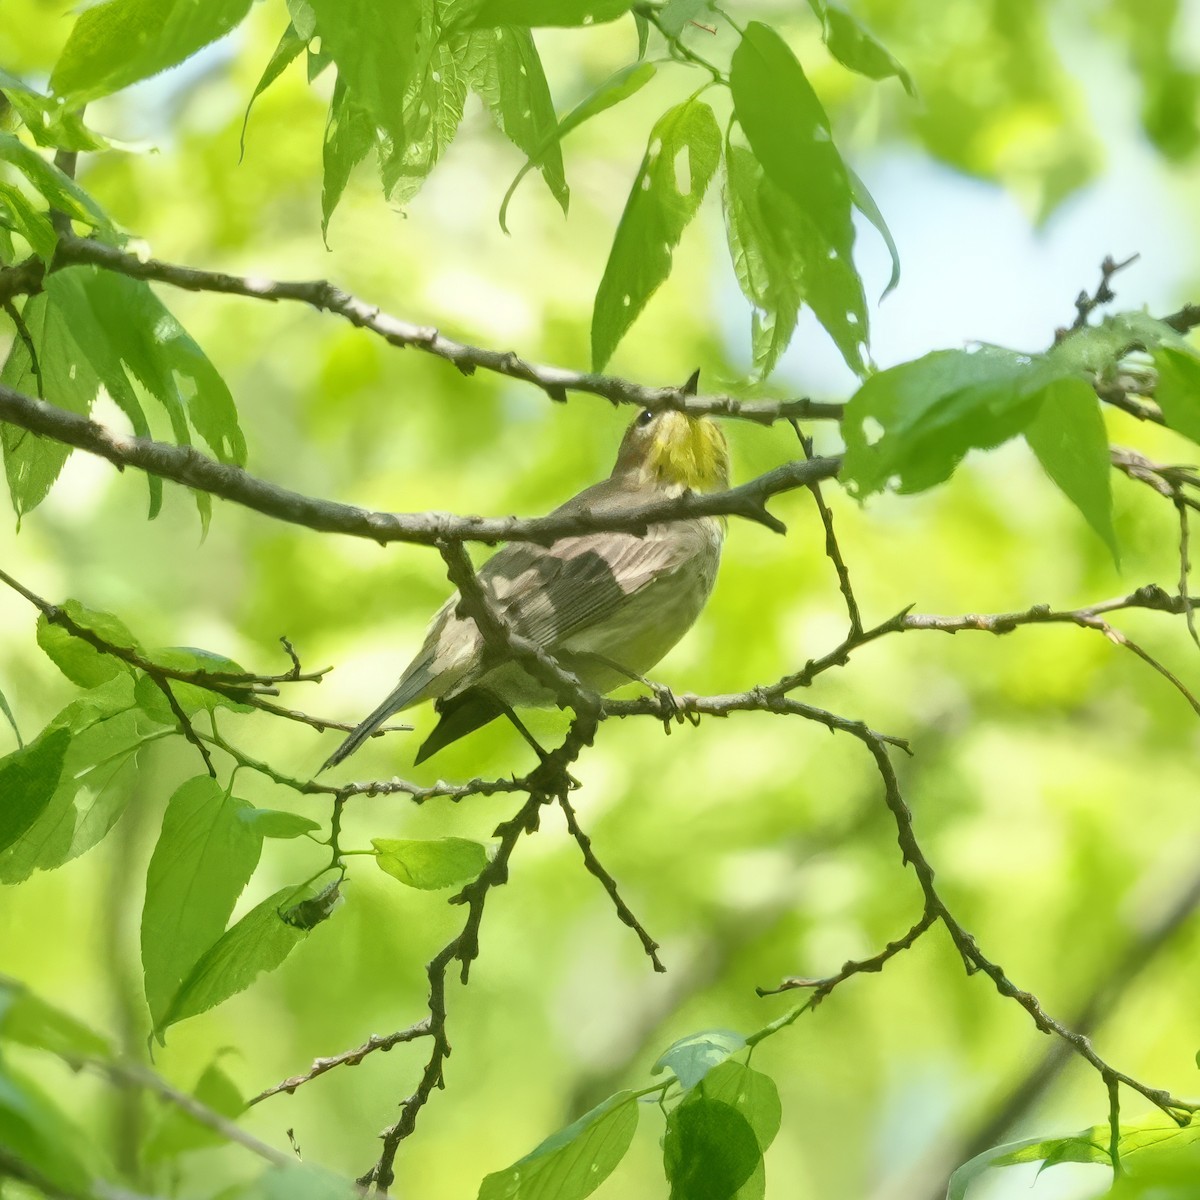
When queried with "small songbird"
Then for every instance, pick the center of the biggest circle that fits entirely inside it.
(607, 606)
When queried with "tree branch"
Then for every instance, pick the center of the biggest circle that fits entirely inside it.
(556, 382)
(188, 466)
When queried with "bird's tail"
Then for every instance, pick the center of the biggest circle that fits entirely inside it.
(408, 691)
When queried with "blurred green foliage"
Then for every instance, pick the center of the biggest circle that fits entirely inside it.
(1054, 778)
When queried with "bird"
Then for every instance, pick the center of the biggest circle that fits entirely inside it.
(606, 605)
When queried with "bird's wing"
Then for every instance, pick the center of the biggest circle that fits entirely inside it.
(549, 593)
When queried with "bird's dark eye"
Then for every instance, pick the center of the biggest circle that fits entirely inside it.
(646, 417)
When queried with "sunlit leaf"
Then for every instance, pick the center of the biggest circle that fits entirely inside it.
(191, 697)
(855, 47)
(259, 942)
(573, 1162)
(798, 153)
(546, 12)
(50, 123)
(290, 46)
(1070, 442)
(58, 189)
(911, 425)
(613, 90)
(1178, 390)
(692, 1057)
(433, 109)
(119, 42)
(680, 160)
(33, 463)
(78, 659)
(203, 859)
(374, 46)
(349, 137)
(430, 865)
(275, 823)
(676, 15)
(503, 66)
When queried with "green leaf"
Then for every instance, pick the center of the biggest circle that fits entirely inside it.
(202, 861)
(304, 20)
(430, 865)
(1178, 391)
(12, 720)
(374, 47)
(31, 1021)
(680, 160)
(33, 463)
(93, 791)
(928, 413)
(692, 1057)
(58, 189)
(573, 1162)
(98, 704)
(547, 12)
(147, 339)
(676, 15)
(121, 329)
(504, 68)
(433, 109)
(77, 659)
(28, 780)
(789, 132)
(191, 697)
(119, 42)
(1070, 442)
(765, 260)
(752, 1093)
(865, 203)
(709, 1149)
(275, 823)
(38, 1134)
(349, 136)
(1142, 1142)
(855, 47)
(178, 1133)
(33, 224)
(259, 942)
(612, 91)
(50, 123)
(286, 52)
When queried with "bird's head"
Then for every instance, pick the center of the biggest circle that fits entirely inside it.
(675, 451)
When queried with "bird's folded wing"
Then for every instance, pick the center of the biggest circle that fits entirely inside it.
(549, 594)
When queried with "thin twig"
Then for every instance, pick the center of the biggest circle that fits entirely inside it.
(832, 549)
(596, 868)
(822, 987)
(348, 1058)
